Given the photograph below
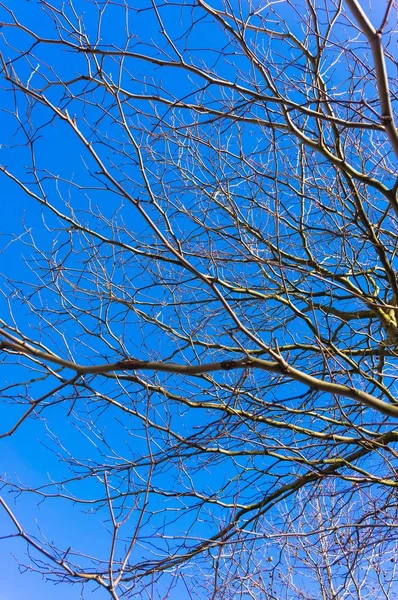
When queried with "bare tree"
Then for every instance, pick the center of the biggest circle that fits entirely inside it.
(203, 334)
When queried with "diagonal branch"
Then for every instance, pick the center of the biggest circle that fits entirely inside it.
(374, 38)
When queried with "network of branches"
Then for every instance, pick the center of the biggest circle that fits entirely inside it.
(199, 296)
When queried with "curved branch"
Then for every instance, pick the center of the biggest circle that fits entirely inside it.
(279, 366)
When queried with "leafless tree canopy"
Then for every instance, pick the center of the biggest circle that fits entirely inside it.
(199, 328)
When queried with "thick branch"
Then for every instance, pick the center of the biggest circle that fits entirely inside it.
(374, 38)
(281, 367)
